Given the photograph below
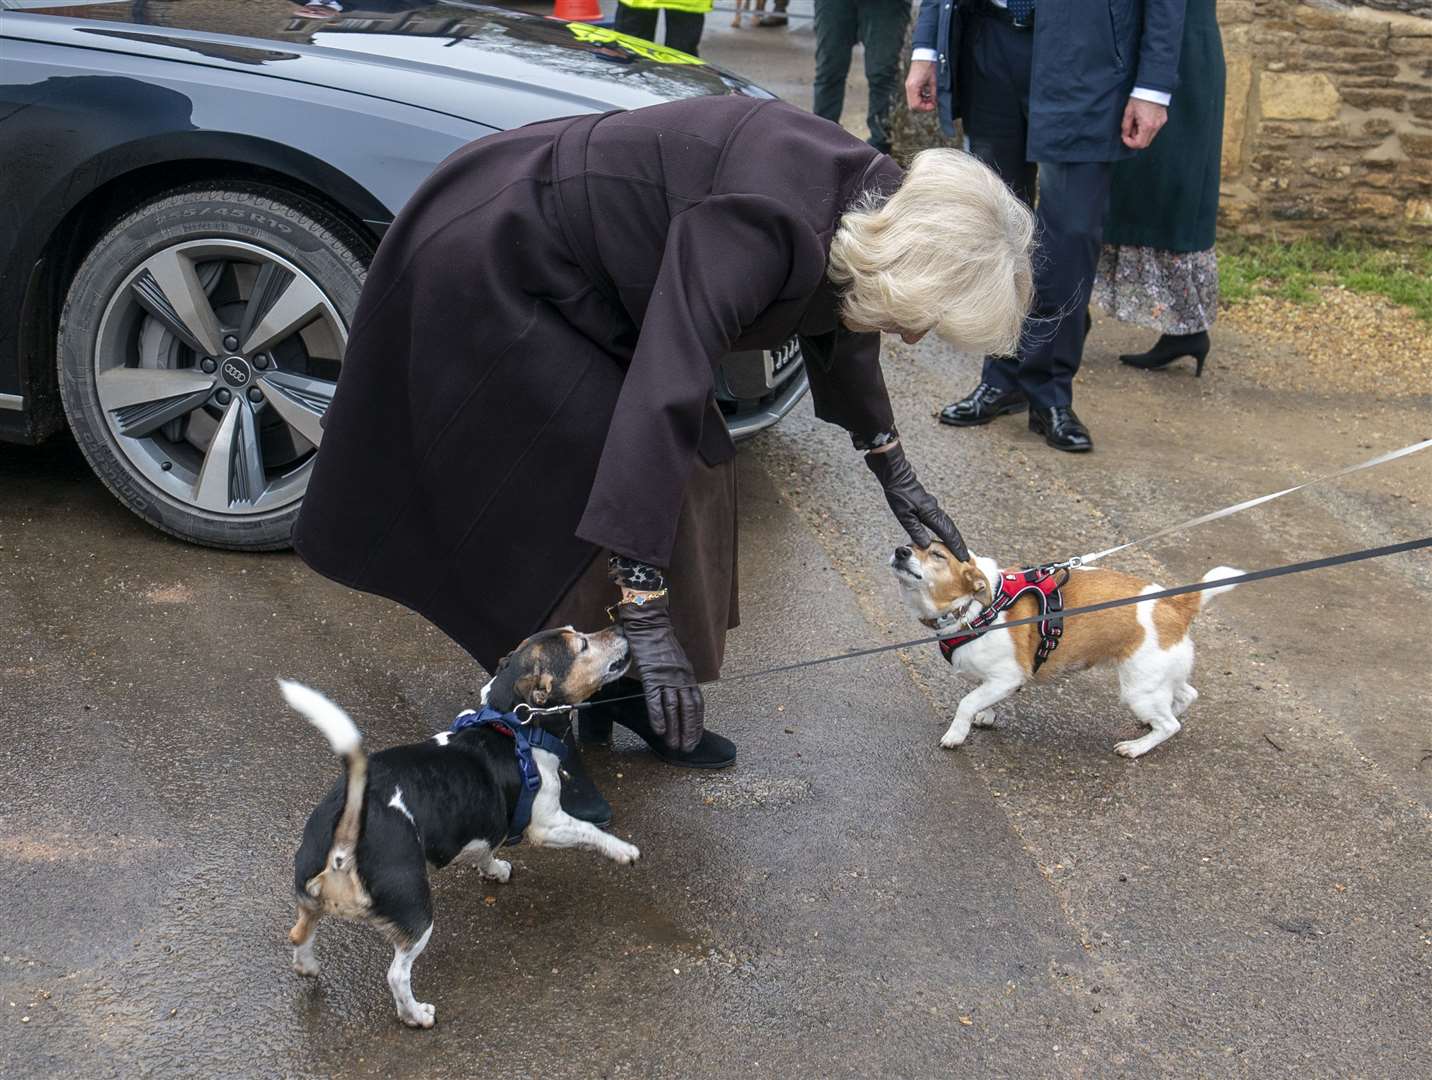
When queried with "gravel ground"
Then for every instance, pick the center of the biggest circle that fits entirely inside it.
(1346, 341)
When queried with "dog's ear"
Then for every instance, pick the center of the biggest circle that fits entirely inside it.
(502, 691)
(975, 581)
(502, 664)
(536, 688)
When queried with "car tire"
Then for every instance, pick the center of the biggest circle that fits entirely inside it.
(123, 338)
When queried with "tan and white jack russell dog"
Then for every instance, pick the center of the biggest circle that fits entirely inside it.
(1148, 642)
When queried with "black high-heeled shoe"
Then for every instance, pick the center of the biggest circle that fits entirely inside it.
(595, 725)
(1169, 348)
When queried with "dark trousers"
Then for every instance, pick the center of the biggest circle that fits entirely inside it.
(880, 25)
(683, 28)
(1073, 196)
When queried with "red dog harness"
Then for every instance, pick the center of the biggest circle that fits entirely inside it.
(1044, 583)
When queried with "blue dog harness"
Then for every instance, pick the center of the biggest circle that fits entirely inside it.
(525, 738)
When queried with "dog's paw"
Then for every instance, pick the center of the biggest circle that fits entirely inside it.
(953, 738)
(984, 718)
(1132, 748)
(420, 1015)
(498, 870)
(625, 853)
(305, 963)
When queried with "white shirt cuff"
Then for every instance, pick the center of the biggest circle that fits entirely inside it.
(1158, 97)
(924, 54)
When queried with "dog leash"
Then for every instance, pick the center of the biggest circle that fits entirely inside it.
(1089, 609)
(1124, 601)
(1085, 560)
(1237, 508)
(534, 711)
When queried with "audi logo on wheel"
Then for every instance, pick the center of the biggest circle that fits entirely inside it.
(236, 372)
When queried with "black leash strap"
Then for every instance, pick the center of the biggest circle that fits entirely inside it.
(1070, 613)
(1089, 609)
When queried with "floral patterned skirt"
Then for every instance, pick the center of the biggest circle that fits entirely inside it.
(1173, 292)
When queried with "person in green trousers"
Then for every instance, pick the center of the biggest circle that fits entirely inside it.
(880, 26)
(1158, 267)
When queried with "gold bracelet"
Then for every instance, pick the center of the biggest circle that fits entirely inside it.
(633, 596)
(640, 597)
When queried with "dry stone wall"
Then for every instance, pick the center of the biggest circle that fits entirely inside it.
(1328, 127)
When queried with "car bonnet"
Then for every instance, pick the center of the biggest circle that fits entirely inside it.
(497, 67)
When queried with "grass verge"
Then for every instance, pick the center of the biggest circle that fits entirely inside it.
(1293, 271)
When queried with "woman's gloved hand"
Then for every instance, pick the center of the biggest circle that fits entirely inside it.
(914, 507)
(674, 703)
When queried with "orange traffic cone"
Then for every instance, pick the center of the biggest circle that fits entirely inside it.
(577, 10)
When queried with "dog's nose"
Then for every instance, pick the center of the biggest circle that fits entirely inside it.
(902, 553)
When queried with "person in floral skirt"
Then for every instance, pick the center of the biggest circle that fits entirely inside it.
(1158, 267)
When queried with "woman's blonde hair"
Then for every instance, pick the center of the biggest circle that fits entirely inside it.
(949, 252)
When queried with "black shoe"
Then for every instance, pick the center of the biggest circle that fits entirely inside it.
(1169, 348)
(712, 752)
(982, 405)
(580, 796)
(1061, 429)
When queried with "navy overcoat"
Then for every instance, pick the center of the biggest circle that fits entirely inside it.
(1088, 56)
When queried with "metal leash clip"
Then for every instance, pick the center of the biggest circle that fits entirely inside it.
(533, 710)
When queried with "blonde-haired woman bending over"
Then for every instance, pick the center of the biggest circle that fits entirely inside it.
(537, 340)
(948, 252)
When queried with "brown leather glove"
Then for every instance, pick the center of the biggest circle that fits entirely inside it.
(914, 507)
(674, 703)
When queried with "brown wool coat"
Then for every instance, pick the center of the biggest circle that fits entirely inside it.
(528, 378)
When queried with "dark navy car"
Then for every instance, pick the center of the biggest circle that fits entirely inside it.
(190, 194)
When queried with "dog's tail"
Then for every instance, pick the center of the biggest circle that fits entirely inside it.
(1218, 573)
(342, 734)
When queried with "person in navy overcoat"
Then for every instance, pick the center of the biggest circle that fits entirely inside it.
(1050, 93)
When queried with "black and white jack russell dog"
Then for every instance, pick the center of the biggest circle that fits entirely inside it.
(451, 799)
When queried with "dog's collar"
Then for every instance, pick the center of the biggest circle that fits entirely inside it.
(948, 621)
(1044, 582)
(951, 620)
(525, 737)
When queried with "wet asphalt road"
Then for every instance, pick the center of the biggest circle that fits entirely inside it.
(1252, 899)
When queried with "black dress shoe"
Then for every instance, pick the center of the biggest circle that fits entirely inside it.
(580, 796)
(595, 723)
(1061, 428)
(982, 405)
(1169, 348)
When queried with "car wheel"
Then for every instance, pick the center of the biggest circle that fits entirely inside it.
(199, 348)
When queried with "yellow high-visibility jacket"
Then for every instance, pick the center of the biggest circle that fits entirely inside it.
(702, 6)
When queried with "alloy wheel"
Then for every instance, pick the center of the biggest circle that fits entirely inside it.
(215, 363)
